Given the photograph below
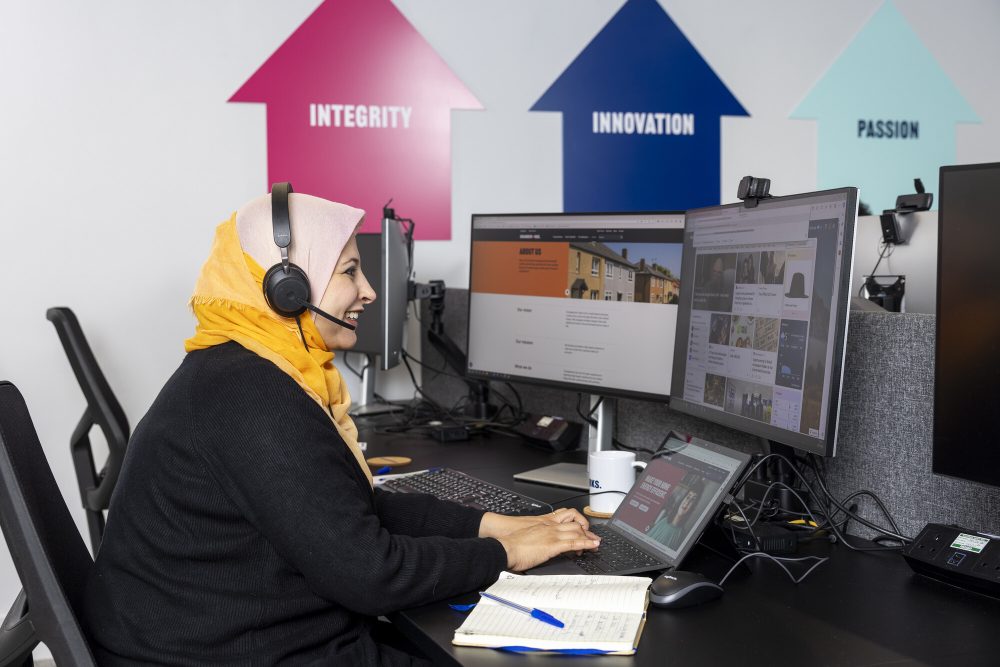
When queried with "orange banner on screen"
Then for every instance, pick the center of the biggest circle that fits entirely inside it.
(520, 267)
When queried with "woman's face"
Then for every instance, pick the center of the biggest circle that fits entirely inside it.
(347, 294)
(687, 504)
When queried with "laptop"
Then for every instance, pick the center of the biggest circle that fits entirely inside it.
(663, 515)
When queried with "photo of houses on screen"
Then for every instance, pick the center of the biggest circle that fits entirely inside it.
(636, 272)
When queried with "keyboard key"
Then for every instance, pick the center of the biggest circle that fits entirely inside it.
(614, 555)
(448, 484)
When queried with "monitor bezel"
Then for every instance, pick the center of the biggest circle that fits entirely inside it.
(554, 384)
(370, 343)
(826, 446)
(394, 305)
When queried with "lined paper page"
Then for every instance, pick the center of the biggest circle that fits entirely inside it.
(496, 625)
(571, 591)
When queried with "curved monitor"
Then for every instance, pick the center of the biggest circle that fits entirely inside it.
(762, 320)
(584, 302)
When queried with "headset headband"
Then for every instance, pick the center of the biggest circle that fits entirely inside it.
(280, 219)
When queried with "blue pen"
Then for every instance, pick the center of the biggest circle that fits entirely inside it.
(534, 613)
(383, 470)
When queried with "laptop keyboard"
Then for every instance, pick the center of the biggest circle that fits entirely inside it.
(616, 554)
(448, 484)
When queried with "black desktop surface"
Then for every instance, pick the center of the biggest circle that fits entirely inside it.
(855, 609)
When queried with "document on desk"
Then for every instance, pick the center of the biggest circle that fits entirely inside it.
(602, 614)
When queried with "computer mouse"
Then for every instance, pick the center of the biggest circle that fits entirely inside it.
(677, 589)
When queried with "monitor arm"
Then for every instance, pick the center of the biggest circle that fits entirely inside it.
(479, 406)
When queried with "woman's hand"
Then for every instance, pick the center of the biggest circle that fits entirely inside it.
(499, 525)
(537, 543)
(532, 540)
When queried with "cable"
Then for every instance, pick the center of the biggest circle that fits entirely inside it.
(621, 445)
(301, 335)
(439, 371)
(516, 414)
(351, 368)
(897, 534)
(885, 246)
(517, 396)
(413, 379)
(778, 559)
(854, 508)
(587, 418)
(416, 312)
(840, 536)
(746, 521)
(582, 495)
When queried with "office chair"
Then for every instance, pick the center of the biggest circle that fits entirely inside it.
(51, 558)
(104, 411)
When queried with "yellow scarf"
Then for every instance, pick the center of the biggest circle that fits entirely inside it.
(229, 304)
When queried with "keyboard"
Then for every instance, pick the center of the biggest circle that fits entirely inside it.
(448, 484)
(616, 554)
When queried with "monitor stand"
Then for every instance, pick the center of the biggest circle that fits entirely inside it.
(776, 471)
(368, 406)
(574, 475)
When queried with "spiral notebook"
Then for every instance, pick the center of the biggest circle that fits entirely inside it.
(602, 615)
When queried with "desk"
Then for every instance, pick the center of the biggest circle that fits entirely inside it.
(855, 609)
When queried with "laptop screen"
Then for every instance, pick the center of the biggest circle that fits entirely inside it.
(677, 495)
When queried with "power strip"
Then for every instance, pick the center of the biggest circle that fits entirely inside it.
(957, 556)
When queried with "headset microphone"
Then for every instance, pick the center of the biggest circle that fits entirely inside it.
(328, 316)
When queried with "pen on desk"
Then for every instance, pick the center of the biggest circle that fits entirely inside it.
(534, 613)
(383, 470)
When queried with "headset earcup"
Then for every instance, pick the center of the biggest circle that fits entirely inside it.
(285, 292)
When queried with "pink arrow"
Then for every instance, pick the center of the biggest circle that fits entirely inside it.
(359, 111)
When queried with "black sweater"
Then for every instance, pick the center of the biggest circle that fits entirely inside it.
(242, 532)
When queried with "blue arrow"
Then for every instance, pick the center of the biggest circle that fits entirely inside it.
(886, 112)
(641, 117)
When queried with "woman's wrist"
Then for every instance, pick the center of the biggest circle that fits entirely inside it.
(487, 525)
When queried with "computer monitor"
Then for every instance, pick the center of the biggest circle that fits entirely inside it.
(397, 254)
(762, 319)
(385, 259)
(966, 390)
(584, 302)
(386, 262)
(370, 331)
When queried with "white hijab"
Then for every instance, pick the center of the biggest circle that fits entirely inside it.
(320, 230)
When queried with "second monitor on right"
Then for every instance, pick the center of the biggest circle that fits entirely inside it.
(762, 317)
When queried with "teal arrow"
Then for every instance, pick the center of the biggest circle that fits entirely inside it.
(886, 112)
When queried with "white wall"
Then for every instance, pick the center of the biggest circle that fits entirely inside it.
(119, 153)
(916, 258)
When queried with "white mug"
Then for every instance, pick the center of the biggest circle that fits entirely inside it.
(612, 474)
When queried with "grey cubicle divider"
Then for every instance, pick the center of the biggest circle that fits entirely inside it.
(886, 420)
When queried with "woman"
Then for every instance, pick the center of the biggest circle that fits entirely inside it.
(671, 524)
(244, 529)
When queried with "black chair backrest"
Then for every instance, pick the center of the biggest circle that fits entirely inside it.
(104, 411)
(48, 552)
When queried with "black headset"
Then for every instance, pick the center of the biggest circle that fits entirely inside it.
(286, 286)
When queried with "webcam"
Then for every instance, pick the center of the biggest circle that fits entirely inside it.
(921, 201)
(752, 189)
